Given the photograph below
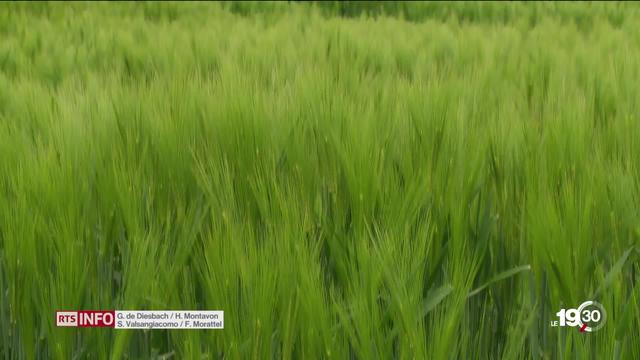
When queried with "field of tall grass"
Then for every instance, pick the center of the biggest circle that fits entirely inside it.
(344, 181)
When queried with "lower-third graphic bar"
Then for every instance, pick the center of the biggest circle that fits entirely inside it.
(142, 319)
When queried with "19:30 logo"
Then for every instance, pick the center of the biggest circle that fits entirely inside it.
(590, 316)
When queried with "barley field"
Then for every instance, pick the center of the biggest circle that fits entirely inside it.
(344, 180)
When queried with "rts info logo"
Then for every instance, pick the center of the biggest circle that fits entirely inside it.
(590, 316)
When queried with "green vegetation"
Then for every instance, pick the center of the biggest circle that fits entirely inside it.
(365, 181)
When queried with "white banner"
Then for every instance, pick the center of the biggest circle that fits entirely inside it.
(142, 319)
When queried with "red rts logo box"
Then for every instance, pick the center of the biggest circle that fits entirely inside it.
(86, 318)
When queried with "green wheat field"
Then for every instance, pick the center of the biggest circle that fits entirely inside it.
(344, 180)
